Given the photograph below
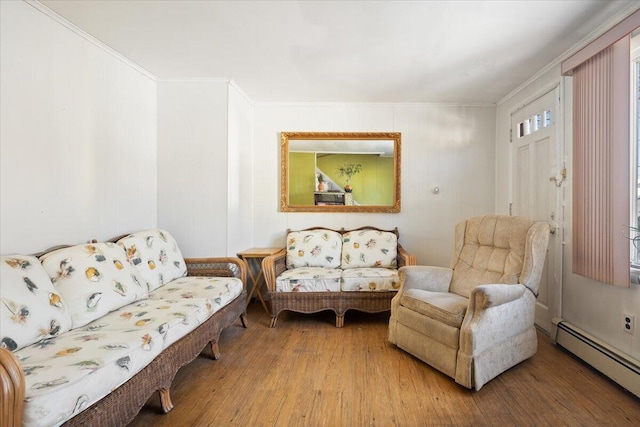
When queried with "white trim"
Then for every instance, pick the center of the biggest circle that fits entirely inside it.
(372, 104)
(235, 85)
(77, 30)
(193, 79)
(575, 48)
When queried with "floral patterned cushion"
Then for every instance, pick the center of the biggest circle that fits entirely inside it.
(219, 291)
(94, 279)
(370, 279)
(31, 309)
(156, 254)
(66, 374)
(310, 279)
(369, 248)
(314, 248)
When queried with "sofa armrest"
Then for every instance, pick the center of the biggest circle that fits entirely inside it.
(273, 266)
(12, 389)
(224, 267)
(405, 258)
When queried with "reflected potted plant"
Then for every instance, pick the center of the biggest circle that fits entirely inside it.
(321, 185)
(349, 170)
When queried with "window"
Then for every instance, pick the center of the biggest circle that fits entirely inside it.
(534, 123)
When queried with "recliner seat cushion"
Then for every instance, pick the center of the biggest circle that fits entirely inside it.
(444, 307)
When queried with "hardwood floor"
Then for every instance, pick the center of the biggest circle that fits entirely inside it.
(306, 372)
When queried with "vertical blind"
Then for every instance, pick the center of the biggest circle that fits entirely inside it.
(601, 165)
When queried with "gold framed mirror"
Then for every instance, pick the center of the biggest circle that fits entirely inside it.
(340, 171)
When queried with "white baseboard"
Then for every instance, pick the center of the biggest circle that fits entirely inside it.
(618, 366)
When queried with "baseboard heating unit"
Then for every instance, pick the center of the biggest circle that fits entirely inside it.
(618, 366)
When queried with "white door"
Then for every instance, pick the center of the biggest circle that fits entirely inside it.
(536, 178)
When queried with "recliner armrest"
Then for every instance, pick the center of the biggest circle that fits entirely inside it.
(428, 278)
(487, 296)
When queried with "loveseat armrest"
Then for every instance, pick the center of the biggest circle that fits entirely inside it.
(405, 258)
(273, 266)
(218, 267)
(12, 389)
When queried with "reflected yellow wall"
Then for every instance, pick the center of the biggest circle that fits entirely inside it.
(302, 180)
(372, 186)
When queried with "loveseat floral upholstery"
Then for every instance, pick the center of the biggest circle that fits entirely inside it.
(83, 320)
(319, 267)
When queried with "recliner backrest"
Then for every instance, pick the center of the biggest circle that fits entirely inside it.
(498, 249)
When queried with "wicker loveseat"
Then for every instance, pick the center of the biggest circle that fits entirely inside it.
(90, 332)
(324, 269)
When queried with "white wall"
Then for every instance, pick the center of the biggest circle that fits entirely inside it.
(452, 147)
(78, 137)
(591, 306)
(240, 208)
(193, 164)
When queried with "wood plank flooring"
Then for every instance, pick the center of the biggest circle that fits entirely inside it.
(306, 372)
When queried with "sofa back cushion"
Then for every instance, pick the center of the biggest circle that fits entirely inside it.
(314, 248)
(94, 279)
(31, 309)
(488, 249)
(156, 255)
(369, 248)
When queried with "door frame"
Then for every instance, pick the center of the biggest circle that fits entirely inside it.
(555, 289)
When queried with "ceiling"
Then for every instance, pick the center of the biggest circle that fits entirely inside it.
(346, 51)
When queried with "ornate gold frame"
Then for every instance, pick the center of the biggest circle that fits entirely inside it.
(284, 170)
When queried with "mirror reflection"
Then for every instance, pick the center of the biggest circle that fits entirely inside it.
(341, 172)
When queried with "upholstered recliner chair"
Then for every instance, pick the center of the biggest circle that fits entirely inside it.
(474, 320)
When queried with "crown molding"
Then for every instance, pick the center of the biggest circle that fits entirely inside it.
(575, 48)
(80, 32)
(374, 104)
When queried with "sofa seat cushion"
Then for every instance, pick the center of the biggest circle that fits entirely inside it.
(309, 279)
(219, 291)
(31, 308)
(67, 374)
(370, 279)
(446, 307)
(369, 248)
(94, 279)
(314, 248)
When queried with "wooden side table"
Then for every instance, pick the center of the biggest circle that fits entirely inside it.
(254, 257)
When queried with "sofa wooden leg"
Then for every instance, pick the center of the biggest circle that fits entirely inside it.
(339, 321)
(165, 400)
(215, 350)
(244, 320)
(273, 322)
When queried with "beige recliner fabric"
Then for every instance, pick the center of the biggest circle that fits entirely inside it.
(474, 320)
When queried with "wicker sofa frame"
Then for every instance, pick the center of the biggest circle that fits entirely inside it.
(338, 302)
(122, 405)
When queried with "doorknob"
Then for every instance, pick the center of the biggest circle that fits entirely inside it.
(559, 179)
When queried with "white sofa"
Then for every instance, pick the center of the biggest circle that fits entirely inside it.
(95, 329)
